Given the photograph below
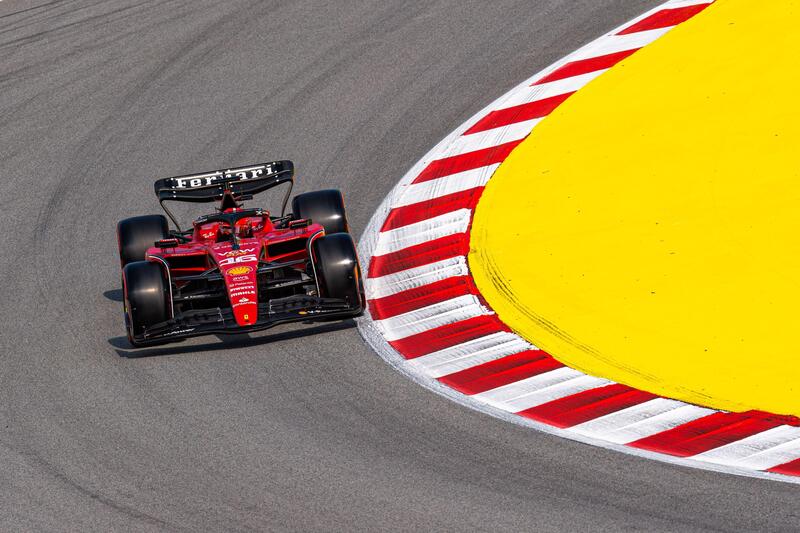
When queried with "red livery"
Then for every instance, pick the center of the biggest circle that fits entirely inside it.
(238, 269)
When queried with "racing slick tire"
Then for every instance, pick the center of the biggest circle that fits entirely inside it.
(324, 207)
(135, 235)
(145, 293)
(337, 269)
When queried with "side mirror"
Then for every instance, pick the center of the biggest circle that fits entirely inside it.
(167, 243)
(302, 223)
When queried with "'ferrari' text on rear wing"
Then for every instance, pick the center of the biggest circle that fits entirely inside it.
(210, 186)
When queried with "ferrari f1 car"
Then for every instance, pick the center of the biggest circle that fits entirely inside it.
(237, 270)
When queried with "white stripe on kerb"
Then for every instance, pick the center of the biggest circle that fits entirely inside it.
(430, 317)
(540, 389)
(619, 43)
(763, 450)
(642, 420)
(677, 3)
(458, 182)
(489, 138)
(541, 91)
(423, 231)
(469, 354)
(415, 277)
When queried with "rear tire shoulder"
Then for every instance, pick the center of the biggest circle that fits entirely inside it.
(136, 234)
(324, 207)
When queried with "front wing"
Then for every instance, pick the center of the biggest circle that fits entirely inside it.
(270, 313)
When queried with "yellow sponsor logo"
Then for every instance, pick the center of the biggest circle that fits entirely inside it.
(239, 270)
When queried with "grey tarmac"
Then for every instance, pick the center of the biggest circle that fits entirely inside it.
(297, 428)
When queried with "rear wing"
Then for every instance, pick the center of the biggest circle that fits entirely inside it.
(210, 186)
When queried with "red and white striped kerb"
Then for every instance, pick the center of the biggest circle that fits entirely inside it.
(427, 318)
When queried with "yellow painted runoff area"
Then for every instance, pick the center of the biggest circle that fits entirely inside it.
(648, 230)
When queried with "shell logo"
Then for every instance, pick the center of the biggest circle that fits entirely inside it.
(239, 270)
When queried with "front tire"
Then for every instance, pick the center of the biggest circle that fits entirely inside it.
(136, 234)
(145, 295)
(322, 207)
(337, 269)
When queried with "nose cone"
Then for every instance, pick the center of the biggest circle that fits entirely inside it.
(243, 293)
(245, 313)
(239, 268)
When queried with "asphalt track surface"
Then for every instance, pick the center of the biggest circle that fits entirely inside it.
(298, 428)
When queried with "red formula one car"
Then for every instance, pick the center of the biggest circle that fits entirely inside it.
(237, 270)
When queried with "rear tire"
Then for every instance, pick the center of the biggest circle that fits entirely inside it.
(337, 269)
(135, 235)
(322, 207)
(145, 295)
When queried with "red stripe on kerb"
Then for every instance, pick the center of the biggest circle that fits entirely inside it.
(587, 405)
(447, 336)
(665, 18)
(417, 298)
(418, 255)
(409, 214)
(501, 372)
(518, 113)
(792, 468)
(707, 433)
(468, 161)
(585, 66)
(789, 420)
